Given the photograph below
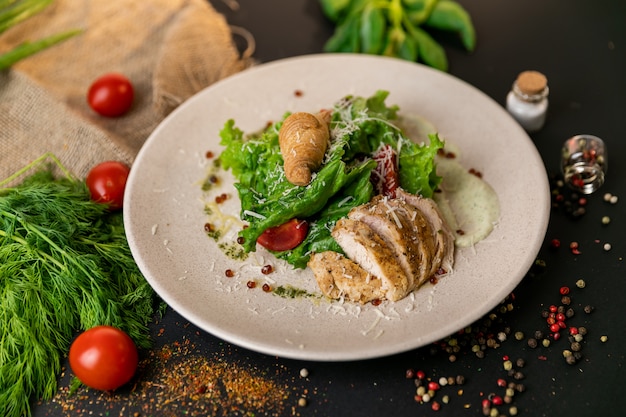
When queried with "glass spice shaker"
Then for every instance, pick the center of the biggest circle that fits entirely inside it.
(584, 163)
(528, 100)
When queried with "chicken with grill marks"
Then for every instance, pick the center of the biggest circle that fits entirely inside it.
(392, 246)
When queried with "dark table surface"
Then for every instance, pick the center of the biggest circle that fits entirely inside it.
(581, 47)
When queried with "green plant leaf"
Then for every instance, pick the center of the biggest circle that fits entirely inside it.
(451, 16)
(372, 30)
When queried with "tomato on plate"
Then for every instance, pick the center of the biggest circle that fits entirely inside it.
(284, 237)
(111, 95)
(103, 358)
(107, 182)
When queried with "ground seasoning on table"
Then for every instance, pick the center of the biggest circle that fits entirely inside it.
(177, 379)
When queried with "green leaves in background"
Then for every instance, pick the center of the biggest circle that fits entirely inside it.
(398, 28)
(13, 12)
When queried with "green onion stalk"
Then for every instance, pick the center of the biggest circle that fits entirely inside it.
(13, 12)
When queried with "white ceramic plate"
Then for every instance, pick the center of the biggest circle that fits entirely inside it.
(164, 212)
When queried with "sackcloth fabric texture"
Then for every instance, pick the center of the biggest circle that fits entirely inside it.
(169, 49)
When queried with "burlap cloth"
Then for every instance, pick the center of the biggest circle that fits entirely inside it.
(170, 49)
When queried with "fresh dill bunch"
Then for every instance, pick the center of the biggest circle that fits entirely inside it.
(65, 266)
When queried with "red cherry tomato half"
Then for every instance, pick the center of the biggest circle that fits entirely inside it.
(111, 95)
(284, 237)
(106, 183)
(103, 358)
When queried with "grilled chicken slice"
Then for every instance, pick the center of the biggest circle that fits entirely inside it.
(396, 230)
(420, 233)
(338, 276)
(365, 247)
(443, 258)
(392, 246)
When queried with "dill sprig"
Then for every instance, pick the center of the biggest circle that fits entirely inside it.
(65, 266)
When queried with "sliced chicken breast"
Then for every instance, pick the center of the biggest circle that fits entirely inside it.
(338, 276)
(391, 245)
(443, 259)
(365, 247)
(396, 230)
(421, 234)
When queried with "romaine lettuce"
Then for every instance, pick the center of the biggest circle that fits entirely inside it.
(359, 126)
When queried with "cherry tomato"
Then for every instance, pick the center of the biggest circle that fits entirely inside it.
(103, 358)
(111, 95)
(284, 237)
(106, 183)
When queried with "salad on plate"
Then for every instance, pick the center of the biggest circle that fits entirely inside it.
(353, 194)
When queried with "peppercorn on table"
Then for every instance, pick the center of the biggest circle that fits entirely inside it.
(554, 346)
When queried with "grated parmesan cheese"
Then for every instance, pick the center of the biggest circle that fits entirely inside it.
(345, 200)
(253, 214)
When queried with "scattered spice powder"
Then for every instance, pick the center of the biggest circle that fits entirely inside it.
(178, 380)
(223, 388)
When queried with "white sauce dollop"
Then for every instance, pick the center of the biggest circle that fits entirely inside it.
(468, 203)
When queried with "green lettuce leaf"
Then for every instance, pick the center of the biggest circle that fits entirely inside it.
(359, 126)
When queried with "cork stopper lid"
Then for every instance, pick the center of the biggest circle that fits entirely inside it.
(531, 82)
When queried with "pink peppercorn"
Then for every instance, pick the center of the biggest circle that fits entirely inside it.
(433, 386)
(420, 375)
(573, 246)
(497, 400)
(564, 290)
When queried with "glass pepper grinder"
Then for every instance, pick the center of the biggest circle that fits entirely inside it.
(528, 100)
